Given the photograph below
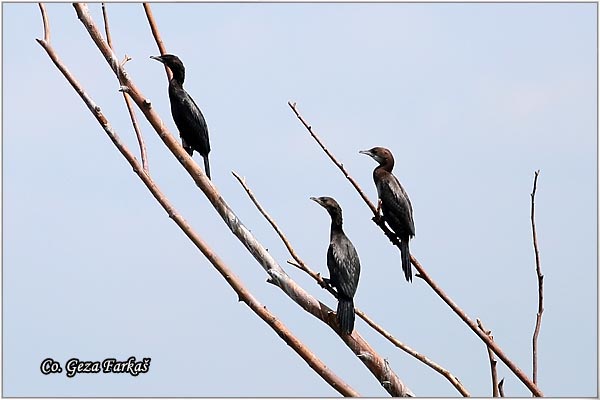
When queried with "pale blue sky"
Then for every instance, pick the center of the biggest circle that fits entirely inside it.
(470, 98)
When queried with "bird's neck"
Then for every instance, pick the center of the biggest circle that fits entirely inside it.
(387, 165)
(380, 172)
(178, 78)
(336, 223)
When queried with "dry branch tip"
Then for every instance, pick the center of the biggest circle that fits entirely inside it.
(46, 24)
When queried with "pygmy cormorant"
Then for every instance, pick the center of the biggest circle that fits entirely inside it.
(343, 265)
(186, 114)
(395, 204)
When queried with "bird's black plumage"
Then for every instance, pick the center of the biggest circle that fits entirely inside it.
(395, 204)
(186, 114)
(343, 265)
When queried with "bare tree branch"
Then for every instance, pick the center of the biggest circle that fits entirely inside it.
(243, 294)
(107, 30)
(332, 157)
(424, 359)
(501, 387)
(45, 22)
(136, 128)
(374, 362)
(156, 34)
(493, 361)
(298, 262)
(538, 269)
(422, 273)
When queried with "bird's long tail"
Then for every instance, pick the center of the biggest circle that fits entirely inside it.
(405, 255)
(345, 315)
(206, 166)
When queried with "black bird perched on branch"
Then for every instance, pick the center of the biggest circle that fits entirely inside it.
(186, 114)
(343, 265)
(395, 204)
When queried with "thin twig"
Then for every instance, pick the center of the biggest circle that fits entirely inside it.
(136, 127)
(430, 363)
(501, 387)
(46, 24)
(422, 273)
(493, 361)
(105, 16)
(332, 158)
(540, 278)
(130, 109)
(154, 28)
(242, 292)
(277, 276)
(299, 263)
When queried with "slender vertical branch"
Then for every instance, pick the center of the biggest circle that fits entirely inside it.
(243, 293)
(105, 17)
(540, 278)
(126, 97)
(493, 361)
(136, 127)
(156, 34)
(45, 22)
(422, 273)
(299, 263)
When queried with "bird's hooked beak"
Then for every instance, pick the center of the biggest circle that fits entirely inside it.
(371, 153)
(157, 58)
(367, 152)
(317, 200)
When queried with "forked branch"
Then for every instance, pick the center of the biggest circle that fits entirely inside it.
(126, 97)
